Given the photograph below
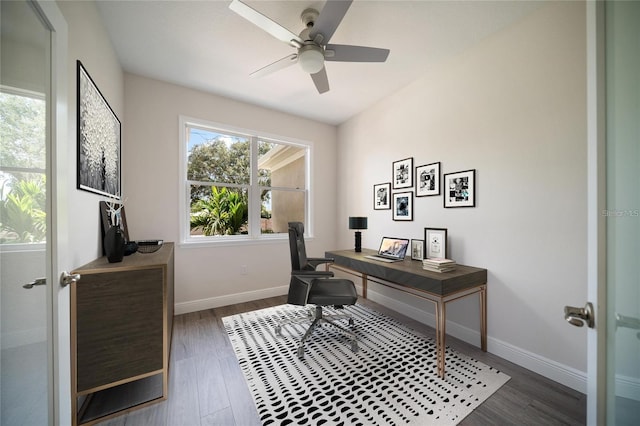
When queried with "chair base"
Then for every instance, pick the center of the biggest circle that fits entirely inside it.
(318, 318)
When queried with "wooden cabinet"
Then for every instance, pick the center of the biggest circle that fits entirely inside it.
(121, 323)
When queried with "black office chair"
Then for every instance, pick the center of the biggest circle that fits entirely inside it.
(311, 287)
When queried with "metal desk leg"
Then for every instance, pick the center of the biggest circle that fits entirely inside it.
(364, 286)
(483, 318)
(441, 334)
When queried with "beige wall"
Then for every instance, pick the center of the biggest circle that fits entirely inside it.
(213, 276)
(514, 109)
(89, 43)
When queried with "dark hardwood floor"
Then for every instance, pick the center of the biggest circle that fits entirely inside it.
(206, 386)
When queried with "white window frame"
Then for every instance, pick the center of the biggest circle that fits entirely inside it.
(255, 236)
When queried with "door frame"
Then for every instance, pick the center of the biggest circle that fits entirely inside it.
(57, 219)
(596, 204)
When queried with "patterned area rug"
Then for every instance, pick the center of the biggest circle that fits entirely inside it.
(391, 380)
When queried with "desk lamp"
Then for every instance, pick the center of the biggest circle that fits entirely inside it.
(358, 223)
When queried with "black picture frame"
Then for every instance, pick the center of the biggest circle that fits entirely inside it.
(382, 196)
(428, 180)
(436, 243)
(460, 189)
(106, 219)
(402, 173)
(98, 140)
(403, 206)
(417, 249)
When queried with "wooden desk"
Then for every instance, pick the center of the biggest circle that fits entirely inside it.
(410, 277)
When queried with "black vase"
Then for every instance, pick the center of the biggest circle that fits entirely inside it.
(114, 244)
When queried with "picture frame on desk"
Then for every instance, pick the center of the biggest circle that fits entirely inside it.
(417, 249)
(460, 189)
(403, 173)
(382, 196)
(403, 206)
(436, 245)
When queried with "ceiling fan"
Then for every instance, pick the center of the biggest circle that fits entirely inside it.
(312, 43)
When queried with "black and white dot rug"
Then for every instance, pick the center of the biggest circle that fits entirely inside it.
(391, 380)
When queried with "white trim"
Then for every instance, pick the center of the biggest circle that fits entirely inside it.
(185, 239)
(230, 299)
(552, 370)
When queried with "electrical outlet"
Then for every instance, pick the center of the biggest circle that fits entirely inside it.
(243, 269)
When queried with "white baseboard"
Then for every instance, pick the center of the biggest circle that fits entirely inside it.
(557, 372)
(231, 299)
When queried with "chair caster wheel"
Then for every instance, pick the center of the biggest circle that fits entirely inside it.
(351, 322)
(354, 346)
(278, 330)
(301, 352)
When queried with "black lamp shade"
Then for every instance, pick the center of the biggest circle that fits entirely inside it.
(356, 222)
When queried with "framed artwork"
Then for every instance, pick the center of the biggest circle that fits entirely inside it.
(98, 140)
(403, 173)
(428, 180)
(403, 206)
(382, 196)
(435, 240)
(460, 189)
(417, 249)
(108, 219)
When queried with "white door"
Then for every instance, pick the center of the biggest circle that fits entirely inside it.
(614, 212)
(32, 105)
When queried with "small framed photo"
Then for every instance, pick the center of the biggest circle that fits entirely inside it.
(428, 180)
(460, 189)
(435, 240)
(417, 249)
(107, 220)
(403, 206)
(382, 196)
(403, 173)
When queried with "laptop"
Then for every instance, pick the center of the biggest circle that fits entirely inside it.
(391, 250)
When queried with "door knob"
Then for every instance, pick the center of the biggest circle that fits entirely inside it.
(67, 278)
(580, 316)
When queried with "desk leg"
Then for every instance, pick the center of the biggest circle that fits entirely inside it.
(364, 286)
(483, 318)
(441, 334)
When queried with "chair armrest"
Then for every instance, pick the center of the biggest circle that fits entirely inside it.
(299, 290)
(315, 261)
(312, 274)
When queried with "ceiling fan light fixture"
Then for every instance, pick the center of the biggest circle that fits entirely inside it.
(311, 60)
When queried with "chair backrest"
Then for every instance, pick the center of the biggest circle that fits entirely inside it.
(296, 246)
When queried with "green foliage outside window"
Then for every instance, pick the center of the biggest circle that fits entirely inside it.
(224, 212)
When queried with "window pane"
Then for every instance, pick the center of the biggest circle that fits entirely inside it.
(22, 131)
(23, 207)
(217, 157)
(279, 208)
(218, 210)
(281, 165)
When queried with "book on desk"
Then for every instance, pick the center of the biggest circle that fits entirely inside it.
(438, 265)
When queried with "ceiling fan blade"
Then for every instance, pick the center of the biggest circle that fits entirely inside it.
(276, 66)
(347, 53)
(321, 81)
(329, 19)
(268, 25)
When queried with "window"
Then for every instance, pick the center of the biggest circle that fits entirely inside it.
(23, 193)
(240, 186)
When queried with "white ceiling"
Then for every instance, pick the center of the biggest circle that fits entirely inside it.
(205, 46)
